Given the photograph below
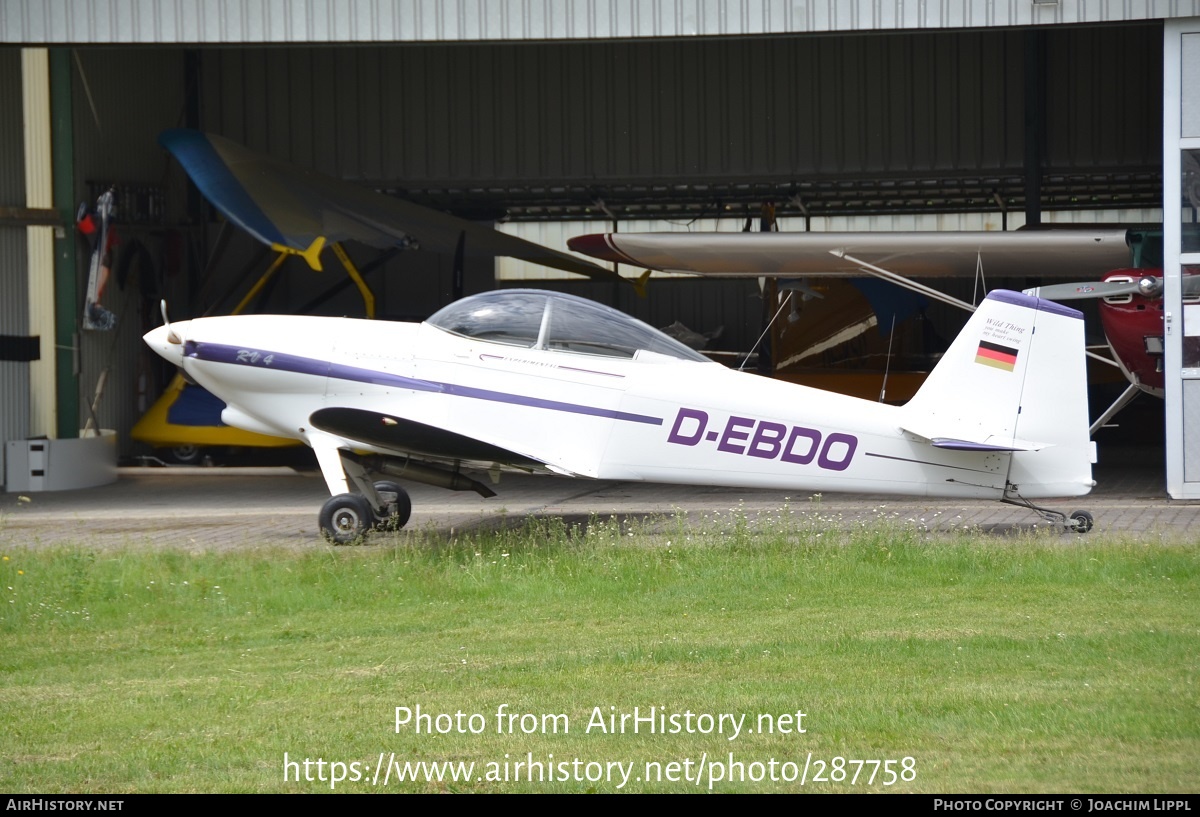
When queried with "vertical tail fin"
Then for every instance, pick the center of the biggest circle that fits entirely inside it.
(1015, 379)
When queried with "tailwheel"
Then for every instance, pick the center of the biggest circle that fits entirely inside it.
(1080, 522)
(397, 506)
(345, 518)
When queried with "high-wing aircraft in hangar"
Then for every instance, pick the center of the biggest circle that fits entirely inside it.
(898, 258)
(547, 382)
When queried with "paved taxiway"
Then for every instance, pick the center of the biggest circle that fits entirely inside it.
(215, 508)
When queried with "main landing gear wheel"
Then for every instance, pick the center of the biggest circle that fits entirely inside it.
(1081, 521)
(397, 506)
(185, 454)
(346, 518)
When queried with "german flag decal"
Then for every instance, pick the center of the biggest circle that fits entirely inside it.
(996, 356)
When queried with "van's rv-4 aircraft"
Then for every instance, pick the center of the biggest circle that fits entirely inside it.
(545, 382)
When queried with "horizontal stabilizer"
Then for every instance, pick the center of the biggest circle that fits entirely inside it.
(990, 444)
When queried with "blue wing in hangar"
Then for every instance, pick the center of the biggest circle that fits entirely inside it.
(296, 210)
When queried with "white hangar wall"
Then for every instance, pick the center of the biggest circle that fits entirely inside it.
(362, 21)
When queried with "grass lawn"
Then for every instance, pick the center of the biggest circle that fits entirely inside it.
(733, 655)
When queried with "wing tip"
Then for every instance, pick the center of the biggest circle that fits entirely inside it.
(599, 245)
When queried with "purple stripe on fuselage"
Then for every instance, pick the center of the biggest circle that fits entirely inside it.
(1032, 302)
(257, 358)
(553, 405)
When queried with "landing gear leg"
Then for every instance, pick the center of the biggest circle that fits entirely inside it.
(389, 502)
(358, 504)
(1078, 521)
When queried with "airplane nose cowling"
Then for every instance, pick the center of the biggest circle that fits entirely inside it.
(166, 341)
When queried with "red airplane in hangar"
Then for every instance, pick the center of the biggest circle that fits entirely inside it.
(1131, 307)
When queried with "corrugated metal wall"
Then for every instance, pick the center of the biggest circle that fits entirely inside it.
(718, 110)
(299, 21)
(14, 296)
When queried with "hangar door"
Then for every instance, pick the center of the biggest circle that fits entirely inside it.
(1181, 252)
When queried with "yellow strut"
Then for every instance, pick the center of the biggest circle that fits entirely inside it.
(312, 257)
(260, 283)
(367, 295)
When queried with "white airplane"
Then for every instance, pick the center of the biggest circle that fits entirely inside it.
(541, 381)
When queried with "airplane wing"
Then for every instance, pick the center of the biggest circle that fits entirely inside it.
(290, 208)
(1043, 253)
(423, 439)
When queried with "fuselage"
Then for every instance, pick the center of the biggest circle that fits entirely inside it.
(647, 417)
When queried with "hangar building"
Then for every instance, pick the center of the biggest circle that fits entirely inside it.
(562, 118)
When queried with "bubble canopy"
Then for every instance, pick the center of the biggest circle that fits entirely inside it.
(536, 319)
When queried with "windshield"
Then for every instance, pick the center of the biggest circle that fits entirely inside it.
(552, 320)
